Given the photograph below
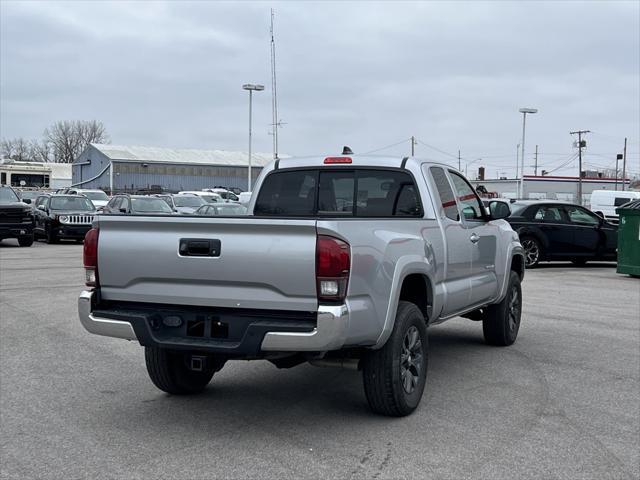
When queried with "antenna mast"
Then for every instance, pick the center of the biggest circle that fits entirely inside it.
(274, 97)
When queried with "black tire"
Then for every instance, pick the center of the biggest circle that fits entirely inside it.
(51, 236)
(26, 241)
(386, 370)
(579, 262)
(501, 322)
(169, 371)
(532, 251)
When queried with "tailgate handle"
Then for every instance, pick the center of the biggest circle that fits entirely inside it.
(199, 247)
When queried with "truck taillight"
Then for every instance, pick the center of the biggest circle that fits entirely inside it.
(333, 260)
(90, 257)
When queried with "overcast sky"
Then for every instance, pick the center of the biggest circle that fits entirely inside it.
(367, 75)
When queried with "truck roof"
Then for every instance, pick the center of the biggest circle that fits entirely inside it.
(356, 160)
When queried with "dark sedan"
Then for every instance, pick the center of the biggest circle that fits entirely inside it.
(561, 231)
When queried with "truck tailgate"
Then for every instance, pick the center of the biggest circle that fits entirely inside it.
(262, 263)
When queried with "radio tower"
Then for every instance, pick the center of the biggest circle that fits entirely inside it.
(274, 96)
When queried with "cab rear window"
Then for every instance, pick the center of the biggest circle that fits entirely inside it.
(339, 193)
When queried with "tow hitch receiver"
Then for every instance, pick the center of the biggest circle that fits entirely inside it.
(197, 363)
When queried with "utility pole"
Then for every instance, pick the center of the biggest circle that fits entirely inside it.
(535, 168)
(580, 146)
(413, 144)
(459, 166)
(274, 96)
(624, 163)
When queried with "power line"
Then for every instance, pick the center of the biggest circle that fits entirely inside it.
(438, 150)
(387, 146)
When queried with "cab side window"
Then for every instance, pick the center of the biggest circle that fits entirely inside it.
(447, 199)
(472, 209)
(548, 214)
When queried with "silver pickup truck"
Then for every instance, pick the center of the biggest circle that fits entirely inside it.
(343, 261)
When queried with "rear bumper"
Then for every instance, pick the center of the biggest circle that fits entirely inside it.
(330, 333)
(102, 326)
(250, 334)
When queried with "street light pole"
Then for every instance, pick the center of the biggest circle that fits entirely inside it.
(251, 88)
(524, 112)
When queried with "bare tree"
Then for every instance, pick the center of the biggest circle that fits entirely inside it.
(68, 138)
(16, 149)
(39, 151)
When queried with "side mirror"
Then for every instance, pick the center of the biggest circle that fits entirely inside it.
(469, 213)
(123, 210)
(26, 200)
(42, 207)
(498, 210)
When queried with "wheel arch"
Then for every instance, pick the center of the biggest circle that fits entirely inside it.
(534, 233)
(411, 280)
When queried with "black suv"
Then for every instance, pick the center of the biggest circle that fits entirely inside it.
(63, 216)
(16, 220)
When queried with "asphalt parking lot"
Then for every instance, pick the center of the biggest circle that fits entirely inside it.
(563, 402)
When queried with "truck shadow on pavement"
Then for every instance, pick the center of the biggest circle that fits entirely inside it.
(258, 393)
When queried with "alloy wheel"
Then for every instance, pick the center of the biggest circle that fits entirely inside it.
(515, 305)
(411, 360)
(532, 252)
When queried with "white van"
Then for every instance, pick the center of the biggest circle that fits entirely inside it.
(605, 202)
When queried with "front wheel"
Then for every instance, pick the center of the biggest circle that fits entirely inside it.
(172, 372)
(501, 322)
(395, 375)
(25, 241)
(51, 236)
(532, 251)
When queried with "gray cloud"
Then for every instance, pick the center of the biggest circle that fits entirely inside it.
(366, 74)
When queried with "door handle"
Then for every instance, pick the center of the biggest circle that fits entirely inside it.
(474, 238)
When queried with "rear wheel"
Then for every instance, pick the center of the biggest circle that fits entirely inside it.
(173, 372)
(25, 241)
(51, 236)
(501, 322)
(395, 375)
(532, 251)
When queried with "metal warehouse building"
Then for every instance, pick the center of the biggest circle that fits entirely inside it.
(119, 168)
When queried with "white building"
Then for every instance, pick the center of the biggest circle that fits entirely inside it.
(34, 174)
(549, 187)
